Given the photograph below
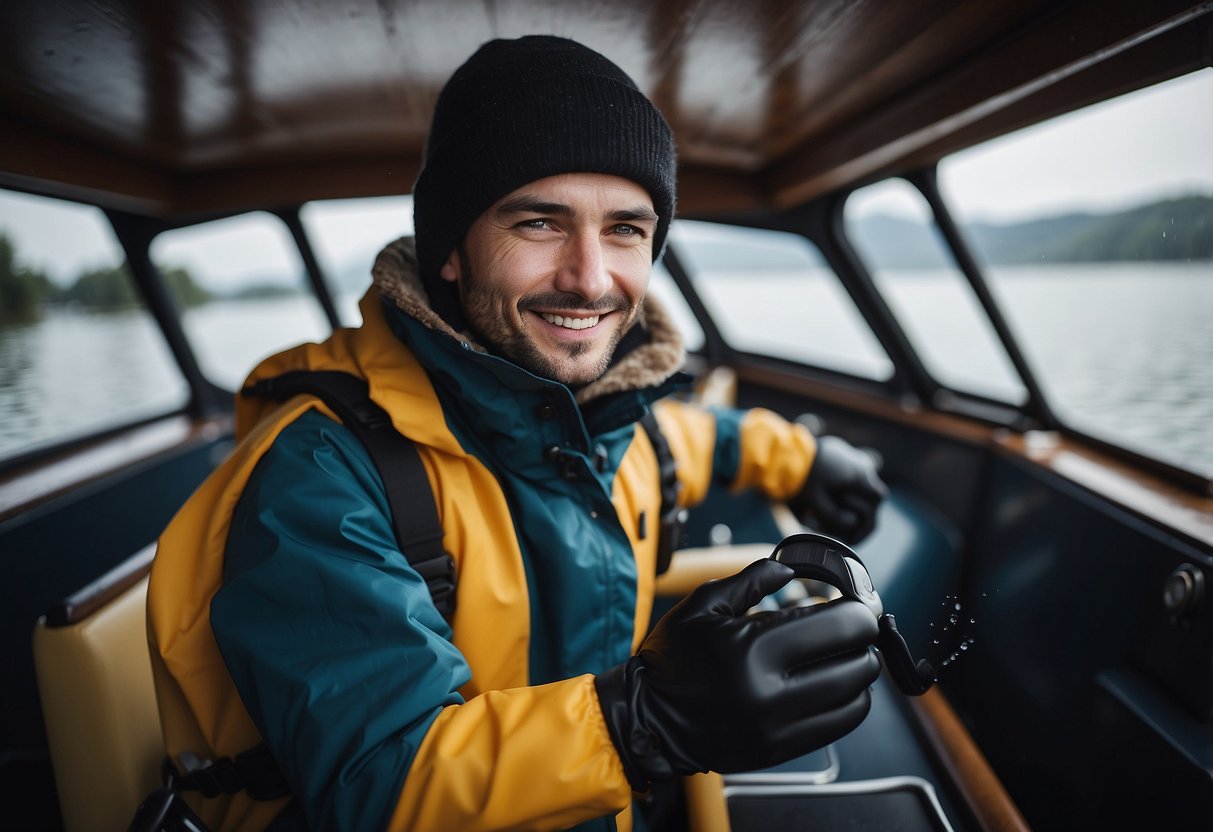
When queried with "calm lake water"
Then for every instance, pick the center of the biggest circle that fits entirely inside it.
(1125, 352)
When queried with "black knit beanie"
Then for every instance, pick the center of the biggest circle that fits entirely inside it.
(521, 110)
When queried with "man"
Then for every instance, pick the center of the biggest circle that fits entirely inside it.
(516, 347)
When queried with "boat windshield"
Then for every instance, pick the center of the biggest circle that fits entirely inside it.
(1095, 232)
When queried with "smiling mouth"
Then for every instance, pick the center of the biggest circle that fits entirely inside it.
(568, 322)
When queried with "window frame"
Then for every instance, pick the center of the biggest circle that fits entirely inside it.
(1035, 413)
(205, 400)
(153, 294)
(822, 223)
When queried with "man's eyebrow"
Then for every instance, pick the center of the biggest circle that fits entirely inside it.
(641, 213)
(526, 204)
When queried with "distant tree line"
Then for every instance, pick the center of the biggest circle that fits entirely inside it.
(24, 291)
(1174, 229)
(21, 289)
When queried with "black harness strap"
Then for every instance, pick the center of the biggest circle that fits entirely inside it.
(414, 515)
(673, 517)
(254, 770)
(418, 534)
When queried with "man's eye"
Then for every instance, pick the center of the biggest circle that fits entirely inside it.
(535, 225)
(629, 231)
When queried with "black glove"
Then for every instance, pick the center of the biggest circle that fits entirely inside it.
(842, 492)
(716, 689)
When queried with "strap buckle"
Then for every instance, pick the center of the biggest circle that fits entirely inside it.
(255, 771)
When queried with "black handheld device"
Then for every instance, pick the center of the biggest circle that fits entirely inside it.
(828, 560)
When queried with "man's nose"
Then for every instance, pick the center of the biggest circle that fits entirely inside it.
(583, 268)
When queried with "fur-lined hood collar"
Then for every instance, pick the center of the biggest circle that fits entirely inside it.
(395, 277)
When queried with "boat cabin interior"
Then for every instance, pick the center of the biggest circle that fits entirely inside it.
(183, 187)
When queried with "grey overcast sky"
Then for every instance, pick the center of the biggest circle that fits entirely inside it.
(1146, 145)
(1143, 146)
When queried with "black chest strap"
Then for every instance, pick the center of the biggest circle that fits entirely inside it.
(418, 534)
(673, 517)
(414, 515)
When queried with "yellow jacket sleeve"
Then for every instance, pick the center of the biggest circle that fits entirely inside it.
(526, 758)
(740, 449)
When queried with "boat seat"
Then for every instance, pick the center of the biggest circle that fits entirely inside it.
(95, 681)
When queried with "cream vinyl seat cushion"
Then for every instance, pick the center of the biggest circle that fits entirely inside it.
(95, 680)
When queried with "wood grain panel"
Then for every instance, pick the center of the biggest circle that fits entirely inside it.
(792, 97)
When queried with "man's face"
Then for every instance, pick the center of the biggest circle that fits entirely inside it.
(552, 275)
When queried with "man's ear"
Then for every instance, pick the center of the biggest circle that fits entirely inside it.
(452, 269)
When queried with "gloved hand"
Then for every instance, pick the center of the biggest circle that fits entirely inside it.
(715, 689)
(842, 492)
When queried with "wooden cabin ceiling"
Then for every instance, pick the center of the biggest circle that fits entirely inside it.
(182, 105)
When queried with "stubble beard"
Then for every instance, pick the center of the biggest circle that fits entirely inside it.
(482, 313)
